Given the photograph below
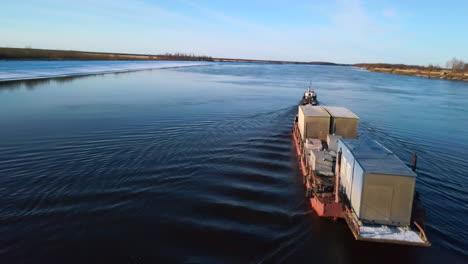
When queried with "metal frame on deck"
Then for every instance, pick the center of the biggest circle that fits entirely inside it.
(354, 225)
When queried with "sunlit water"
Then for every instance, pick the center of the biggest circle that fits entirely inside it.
(196, 165)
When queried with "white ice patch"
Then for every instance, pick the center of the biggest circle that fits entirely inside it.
(23, 70)
(390, 233)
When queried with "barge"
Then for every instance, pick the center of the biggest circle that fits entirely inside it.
(358, 180)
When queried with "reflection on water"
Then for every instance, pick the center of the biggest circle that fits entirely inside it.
(31, 83)
(195, 165)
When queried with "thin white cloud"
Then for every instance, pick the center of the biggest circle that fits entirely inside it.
(222, 17)
(389, 12)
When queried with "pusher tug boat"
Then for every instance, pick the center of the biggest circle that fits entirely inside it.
(356, 179)
(309, 97)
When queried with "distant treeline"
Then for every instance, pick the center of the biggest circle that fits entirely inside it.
(183, 56)
(43, 54)
(455, 65)
(389, 66)
(280, 62)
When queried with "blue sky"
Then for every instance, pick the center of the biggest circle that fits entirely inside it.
(344, 31)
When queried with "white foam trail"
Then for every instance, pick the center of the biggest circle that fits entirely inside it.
(24, 70)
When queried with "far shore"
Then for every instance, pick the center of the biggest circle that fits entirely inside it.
(444, 74)
(57, 55)
(45, 54)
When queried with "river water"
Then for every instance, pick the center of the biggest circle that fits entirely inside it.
(196, 165)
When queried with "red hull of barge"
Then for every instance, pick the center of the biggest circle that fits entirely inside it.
(325, 208)
(324, 204)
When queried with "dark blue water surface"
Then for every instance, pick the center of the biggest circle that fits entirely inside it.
(196, 165)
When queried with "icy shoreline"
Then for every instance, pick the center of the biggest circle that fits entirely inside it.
(28, 70)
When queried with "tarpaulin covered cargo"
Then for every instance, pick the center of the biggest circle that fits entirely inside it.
(379, 186)
(312, 144)
(321, 162)
(343, 122)
(313, 122)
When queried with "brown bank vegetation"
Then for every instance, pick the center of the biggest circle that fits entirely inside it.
(455, 69)
(44, 54)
